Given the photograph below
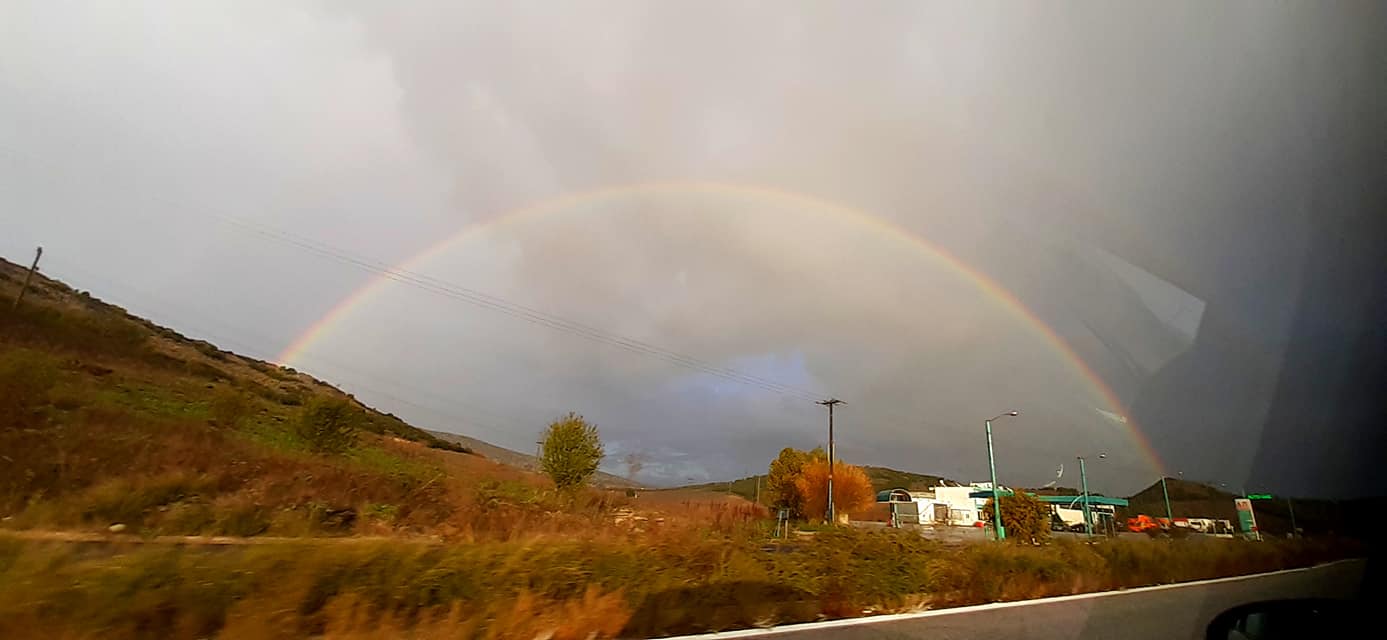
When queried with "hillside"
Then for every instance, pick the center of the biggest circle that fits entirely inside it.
(744, 487)
(523, 461)
(109, 419)
(882, 478)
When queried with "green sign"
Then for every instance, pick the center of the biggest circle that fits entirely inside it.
(1259, 496)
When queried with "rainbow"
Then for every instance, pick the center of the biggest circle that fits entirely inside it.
(315, 332)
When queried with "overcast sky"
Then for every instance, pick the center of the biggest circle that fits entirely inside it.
(1142, 178)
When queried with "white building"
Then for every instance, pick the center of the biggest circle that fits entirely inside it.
(964, 510)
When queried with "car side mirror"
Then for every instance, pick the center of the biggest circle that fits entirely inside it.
(1285, 619)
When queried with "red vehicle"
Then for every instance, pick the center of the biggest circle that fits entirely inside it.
(1158, 526)
(1145, 524)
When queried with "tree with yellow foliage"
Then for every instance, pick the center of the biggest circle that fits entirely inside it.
(852, 490)
(782, 480)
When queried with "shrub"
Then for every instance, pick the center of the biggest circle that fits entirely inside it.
(852, 490)
(439, 443)
(572, 450)
(1025, 518)
(210, 350)
(291, 397)
(26, 378)
(229, 407)
(203, 370)
(127, 500)
(328, 426)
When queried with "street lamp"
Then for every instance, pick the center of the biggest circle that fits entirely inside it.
(992, 467)
(1165, 493)
(1083, 479)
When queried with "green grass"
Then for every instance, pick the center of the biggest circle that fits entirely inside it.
(375, 459)
(150, 399)
(274, 437)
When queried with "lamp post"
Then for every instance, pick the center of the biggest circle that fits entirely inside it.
(1169, 515)
(992, 467)
(1083, 480)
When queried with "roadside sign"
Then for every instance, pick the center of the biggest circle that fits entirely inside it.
(1247, 521)
(1259, 496)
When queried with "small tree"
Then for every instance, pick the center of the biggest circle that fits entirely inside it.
(783, 477)
(571, 452)
(1025, 518)
(852, 489)
(328, 425)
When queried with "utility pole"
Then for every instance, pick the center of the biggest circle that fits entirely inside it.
(1291, 508)
(830, 403)
(38, 253)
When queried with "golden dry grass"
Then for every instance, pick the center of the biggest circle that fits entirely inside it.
(676, 580)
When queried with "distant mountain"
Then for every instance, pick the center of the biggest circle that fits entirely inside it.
(749, 487)
(523, 461)
(882, 478)
(885, 478)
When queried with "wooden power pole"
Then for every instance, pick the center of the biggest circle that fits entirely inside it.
(830, 403)
(38, 253)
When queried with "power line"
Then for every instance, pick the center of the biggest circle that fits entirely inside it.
(519, 311)
(478, 298)
(534, 316)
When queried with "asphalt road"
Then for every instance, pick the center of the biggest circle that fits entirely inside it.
(1167, 612)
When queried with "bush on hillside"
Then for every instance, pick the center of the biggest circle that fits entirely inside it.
(26, 378)
(105, 332)
(439, 443)
(230, 407)
(572, 450)
(328, 425)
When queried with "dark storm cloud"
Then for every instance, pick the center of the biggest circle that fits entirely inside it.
(1048, 148)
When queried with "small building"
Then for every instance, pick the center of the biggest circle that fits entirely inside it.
(900, 507)
(965, 507)
(893, 495)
